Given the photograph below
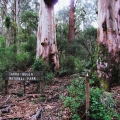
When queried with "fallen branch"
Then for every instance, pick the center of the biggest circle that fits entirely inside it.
(6, 110)
(5, 106)
(5, 101)
(10, 118)
(31, 95)
(56, 96)
(37, 115)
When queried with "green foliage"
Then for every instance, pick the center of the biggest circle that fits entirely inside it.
(67, 65)
(101, 107)
(7, 22)
(97, 111)
(76, 117)
(76, 98)
(69, 62)
(22, 59)
(7, 58)
(70, 65)
(49, 76)
(79, 65)
(95, 81)
(28, 47)
(29, 20)
(39, 65)
(2, 42)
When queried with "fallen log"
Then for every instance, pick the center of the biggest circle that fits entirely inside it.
(37, 115)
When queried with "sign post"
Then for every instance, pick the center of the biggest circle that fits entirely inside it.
(87, 96)
(23, 76)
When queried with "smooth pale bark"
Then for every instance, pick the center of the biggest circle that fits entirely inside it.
(109, 24)
(46, 35)
(7, 31)
(109, 36)
(71, 34)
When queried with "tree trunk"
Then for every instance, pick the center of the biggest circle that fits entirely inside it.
(16, 19)
(108, 41)
(46, 35)
(71, 34)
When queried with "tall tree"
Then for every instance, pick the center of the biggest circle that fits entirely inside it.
(71, 34)
(46, 36)
(109, 41)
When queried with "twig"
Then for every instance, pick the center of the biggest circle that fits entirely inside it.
(31, 95)
(37, 115)
(6, 110)
(5, 101)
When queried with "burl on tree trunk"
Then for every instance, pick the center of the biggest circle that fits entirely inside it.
(108, 41)
(46, 35)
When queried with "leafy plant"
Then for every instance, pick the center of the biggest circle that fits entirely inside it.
(76, 98)
(49, 76)
(39, 65)
(7, 22)
(100, 108)
(22, 59)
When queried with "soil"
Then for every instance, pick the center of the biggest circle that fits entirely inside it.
(25, 106)
(48, 105)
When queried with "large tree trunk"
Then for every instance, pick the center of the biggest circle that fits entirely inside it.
(71, 34)
(109, 41)
(46, 35)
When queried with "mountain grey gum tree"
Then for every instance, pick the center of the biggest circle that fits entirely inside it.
(46, 35)
(109, 40)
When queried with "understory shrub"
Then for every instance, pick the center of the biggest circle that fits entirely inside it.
(70, 65)
(76, 98)
(49, 76)
(22, 59)
(101, 107)
(39, 65)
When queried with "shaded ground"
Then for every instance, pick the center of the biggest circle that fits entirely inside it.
(48, 105)
(26, 106)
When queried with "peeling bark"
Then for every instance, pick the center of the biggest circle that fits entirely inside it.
(109, 38)
(109, 24)
(46, 35)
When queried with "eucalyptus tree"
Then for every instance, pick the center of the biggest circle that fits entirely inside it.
(71, 34)
(3, 13)
(109, 41)
(46, 35)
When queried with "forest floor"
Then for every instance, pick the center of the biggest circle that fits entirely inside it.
(46, 106)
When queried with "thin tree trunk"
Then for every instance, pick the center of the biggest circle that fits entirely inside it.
(108, 40)
(46, 35)
(71, 34)
(16, 19)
